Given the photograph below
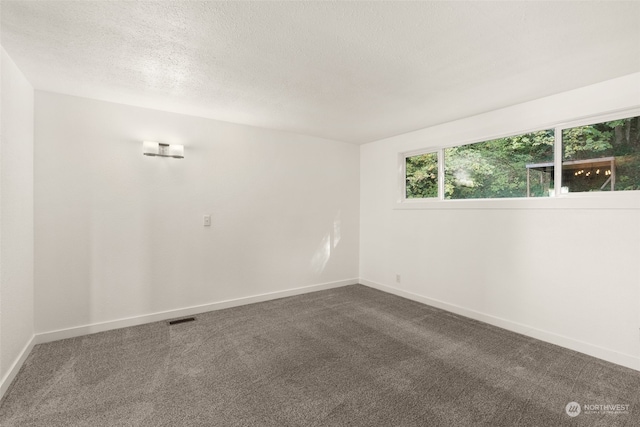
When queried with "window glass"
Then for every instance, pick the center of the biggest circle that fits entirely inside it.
(421, 176)
(602, 157)
(516, 166)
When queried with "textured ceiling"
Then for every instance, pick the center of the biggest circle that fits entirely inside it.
(351, 71)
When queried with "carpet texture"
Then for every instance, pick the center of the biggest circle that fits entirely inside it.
(351, 356)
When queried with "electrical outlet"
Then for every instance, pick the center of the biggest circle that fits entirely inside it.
(397, 278)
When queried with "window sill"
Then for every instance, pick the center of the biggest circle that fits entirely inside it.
(620, 200)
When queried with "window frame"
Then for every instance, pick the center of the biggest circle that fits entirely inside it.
(627, 199)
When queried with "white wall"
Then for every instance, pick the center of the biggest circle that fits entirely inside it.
(120, 235)
(16, 220)
(565, 271)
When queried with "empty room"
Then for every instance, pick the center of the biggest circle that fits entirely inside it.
(319, 213)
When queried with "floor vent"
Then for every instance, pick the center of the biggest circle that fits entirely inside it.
(186, 319)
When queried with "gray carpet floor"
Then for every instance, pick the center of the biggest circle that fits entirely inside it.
(351, 356)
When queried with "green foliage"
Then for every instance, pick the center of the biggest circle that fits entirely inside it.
(614, 138)
(585, 142)
(497, 168)
(422, 176)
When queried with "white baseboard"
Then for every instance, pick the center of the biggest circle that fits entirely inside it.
(612, 356)
(77, 331)
(6, 381)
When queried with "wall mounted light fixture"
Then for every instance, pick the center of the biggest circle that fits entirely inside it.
(150, 148)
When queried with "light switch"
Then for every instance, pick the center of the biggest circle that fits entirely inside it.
(207, 221)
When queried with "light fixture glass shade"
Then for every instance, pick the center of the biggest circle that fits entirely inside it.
(176, 151)
(150, 148)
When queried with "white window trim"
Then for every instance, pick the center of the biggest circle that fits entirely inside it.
(583, 200)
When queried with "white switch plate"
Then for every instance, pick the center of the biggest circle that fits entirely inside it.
(207, 221)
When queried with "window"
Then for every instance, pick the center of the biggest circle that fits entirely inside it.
(594, 157)
(421, 176)
(500, 167)
(602, 157)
